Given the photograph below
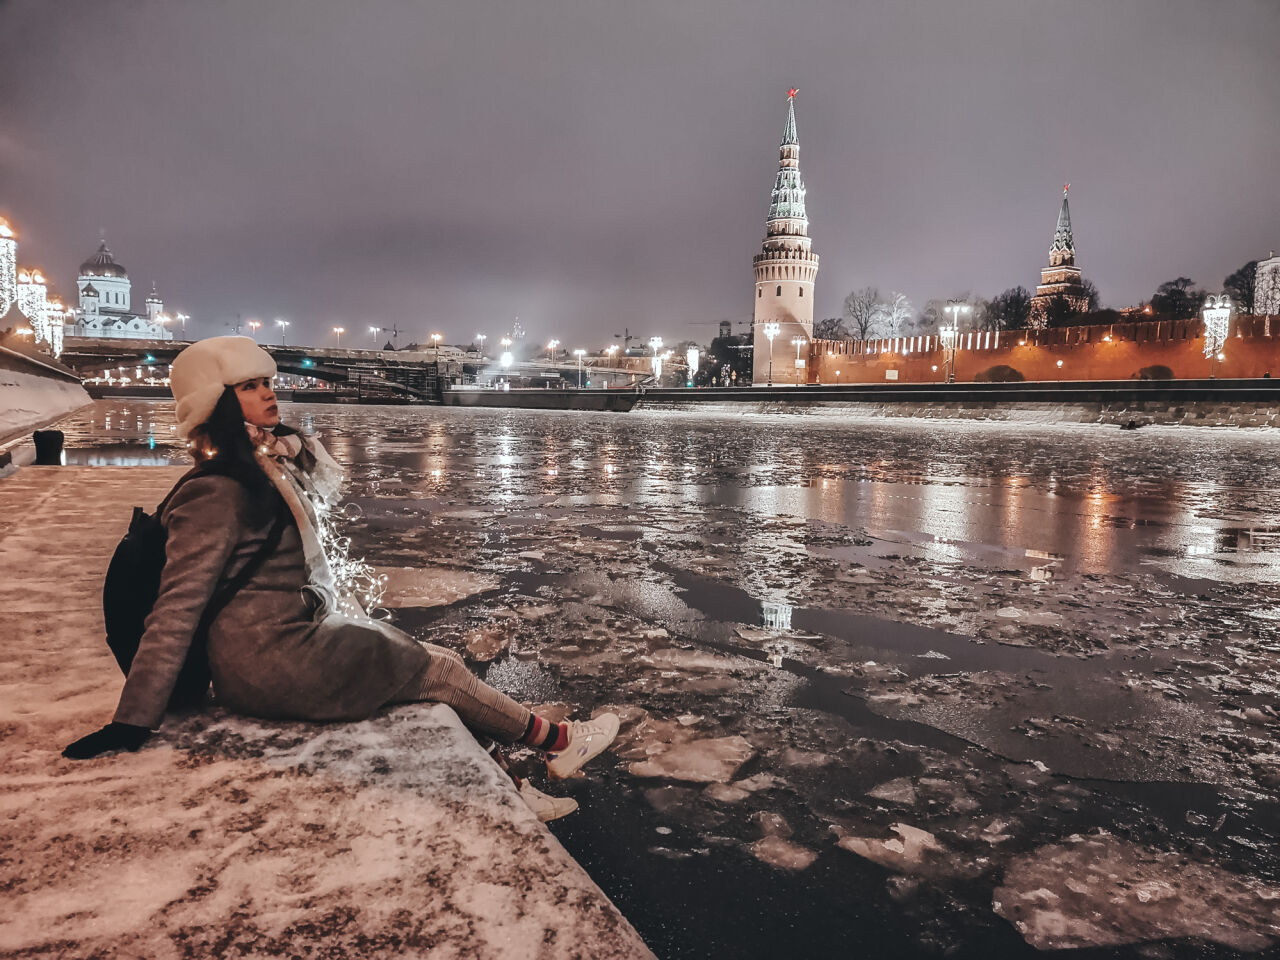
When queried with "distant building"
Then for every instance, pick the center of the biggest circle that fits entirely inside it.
(1061, 278)
(1266, 286)
(785, 270)
(106, 308)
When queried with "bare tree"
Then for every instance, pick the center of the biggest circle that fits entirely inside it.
(1092, 300)
(1010, 310)
(934, 316)
(980, 314)
(1177, 299)
(1242, 286)
(863, 311)
(1062, 311)
(897, 315)
(830, 328)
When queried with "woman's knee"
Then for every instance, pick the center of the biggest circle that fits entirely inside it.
(445, 653)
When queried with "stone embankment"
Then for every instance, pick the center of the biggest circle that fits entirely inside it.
(393, 837)
(34, 390)
(1220, 403)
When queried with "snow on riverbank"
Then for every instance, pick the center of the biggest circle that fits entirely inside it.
(31, 396)
(390, 837)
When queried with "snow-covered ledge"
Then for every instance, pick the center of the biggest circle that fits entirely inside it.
(34, 392)
(392, 837)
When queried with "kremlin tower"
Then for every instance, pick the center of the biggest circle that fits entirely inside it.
(1061, 277)
(785, 270)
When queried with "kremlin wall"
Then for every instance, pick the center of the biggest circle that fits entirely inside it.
(785, 352)
(1151, 350)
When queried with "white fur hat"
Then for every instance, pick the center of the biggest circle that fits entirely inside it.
(200, 372)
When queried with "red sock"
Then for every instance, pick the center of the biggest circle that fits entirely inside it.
(542, 734)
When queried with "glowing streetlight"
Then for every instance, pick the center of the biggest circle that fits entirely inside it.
(253, 326)
(612, 351)
(182, 318)
(435, 339)
(1217, 321)
(838, 377)
(283, 324)
(373, 334)
(951, 335)
(551, 350)
(798, 342)
(771, 330)
(579, 353)
(338, 332)
(691, 357)
(482, 337)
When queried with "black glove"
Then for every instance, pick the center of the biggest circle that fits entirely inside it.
(114, 736)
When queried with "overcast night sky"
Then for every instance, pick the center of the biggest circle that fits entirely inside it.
(588, 166)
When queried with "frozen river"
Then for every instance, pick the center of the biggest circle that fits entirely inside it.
(891, 688)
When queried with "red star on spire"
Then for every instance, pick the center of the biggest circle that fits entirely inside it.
(791, 94)
(1065, 188)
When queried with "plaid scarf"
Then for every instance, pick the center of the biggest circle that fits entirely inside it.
(268, 444)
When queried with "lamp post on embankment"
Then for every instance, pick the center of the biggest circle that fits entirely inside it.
(798, 342)
(771, 330)
(954, 308)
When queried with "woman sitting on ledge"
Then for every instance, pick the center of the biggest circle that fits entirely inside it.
(289, 644)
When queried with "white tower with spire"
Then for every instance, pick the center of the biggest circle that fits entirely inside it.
(785, 270)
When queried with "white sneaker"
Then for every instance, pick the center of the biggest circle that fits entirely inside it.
(586, 740)
(544, 806)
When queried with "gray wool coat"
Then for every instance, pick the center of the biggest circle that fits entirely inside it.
(274, 651)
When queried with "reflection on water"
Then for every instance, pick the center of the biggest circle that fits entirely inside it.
(775, 616)
(1042, 501)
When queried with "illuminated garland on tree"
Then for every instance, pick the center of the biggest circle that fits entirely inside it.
(8, 268)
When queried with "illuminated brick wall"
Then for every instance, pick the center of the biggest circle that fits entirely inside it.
(1122, 351)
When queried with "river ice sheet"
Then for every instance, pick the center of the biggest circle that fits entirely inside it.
(957, 661)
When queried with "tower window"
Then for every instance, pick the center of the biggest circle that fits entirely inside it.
(760, 293)
(779, 293)
(802, 291)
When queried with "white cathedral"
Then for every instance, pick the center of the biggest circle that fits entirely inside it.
(106, 303)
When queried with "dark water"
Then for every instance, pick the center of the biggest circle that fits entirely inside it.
(1124, 581)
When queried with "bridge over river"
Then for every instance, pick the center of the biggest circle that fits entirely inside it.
(363, 375)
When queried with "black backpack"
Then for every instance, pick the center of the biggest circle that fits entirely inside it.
(133, 583)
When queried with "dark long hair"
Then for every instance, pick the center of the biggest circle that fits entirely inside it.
(223, 437)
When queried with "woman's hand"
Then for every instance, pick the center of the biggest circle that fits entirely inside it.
(114, 736)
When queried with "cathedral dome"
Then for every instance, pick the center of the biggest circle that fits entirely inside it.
(102, 264)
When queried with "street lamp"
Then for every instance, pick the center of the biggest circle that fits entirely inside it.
(253, 326)
(951, 335)
(771, 330)
(338, 332)
(948, 335)
(482, 337)
(435, 340)
(373, 335)
(691, 359)
(579, 354)
(281, 323)
(837, 378)
(656, 344)
(183, 318)
(798, 342)
(1217, 321)
(551, 350)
